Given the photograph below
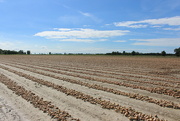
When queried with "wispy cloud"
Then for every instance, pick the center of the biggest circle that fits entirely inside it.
(120, 41)
(6, 45)
(175, 29)
(62, 29)
(83, 40)
(91, 16)
(65, 6)
(158, 42)
(138, 26)
(81, 35)
(84, 14)
(171, 21)
(156, 26)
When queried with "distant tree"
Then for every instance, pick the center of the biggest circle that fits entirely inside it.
(1, 51)
(124, 52)
(28, 52)
(177, 51)
(21, 52)
(49, 53)
(5, 52)
(133, 53)
(115, 53)
(163, 53)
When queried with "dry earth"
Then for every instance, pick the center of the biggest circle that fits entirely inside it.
(95, 76)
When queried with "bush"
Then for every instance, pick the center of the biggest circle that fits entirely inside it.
(177, 51)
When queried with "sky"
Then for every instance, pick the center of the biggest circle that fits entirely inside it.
(90, 26)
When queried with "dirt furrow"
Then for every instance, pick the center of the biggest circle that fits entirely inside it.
(98, 88)
(159, 90)
(36, 101)
(116, 99)
(111, 74)
(163, 103)
(127, 79)
(128, 112)
(77, 108)
(107, 85)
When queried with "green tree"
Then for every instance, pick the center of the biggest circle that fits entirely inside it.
(21, 52)
(133, 53)
(1, 51)
(28, 52)
(163, 53)
(177, 51)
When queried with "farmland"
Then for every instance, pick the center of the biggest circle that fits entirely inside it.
(89, 88)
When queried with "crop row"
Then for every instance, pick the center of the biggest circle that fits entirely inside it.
(102, 75)
(136, 66)
(127, 73)
(96, 74)
(110, 75)
(159, 90)
(162, 103)
(127, 112)
(36, 101)
(136, 71)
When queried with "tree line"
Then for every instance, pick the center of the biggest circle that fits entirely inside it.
(12, 52)
(163, 53)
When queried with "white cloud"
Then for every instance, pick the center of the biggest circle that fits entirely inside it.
(171, 21)
(175, 29)
(85, 14)
(12, 45)
(91, 16)
(158, 42)
(62, 29)
(126, 23)
(86, 25)
(138, 26)
(156, 26)
(6, 45)
(108, 24)
(80, 34)
(120, 41)
(83, 40)
(65, 6)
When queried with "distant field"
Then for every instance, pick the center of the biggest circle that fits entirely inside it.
(89, 88)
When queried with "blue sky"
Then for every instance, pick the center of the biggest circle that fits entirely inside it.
(90, 26)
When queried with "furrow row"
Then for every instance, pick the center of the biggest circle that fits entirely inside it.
(76, 74)
(128, 112)
(36, 101)
(162, 103)
(111, 74)
(159, 90)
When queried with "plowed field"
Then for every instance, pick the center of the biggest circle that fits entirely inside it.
(89, 88)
